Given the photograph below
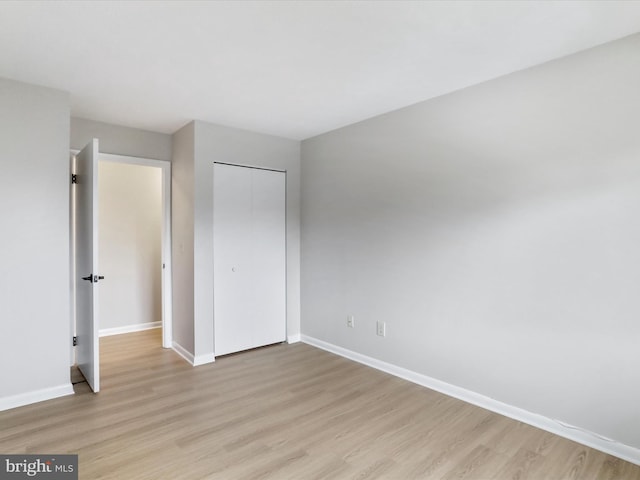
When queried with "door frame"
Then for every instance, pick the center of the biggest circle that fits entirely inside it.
(167, 287)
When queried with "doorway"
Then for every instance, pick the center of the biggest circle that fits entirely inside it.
(130, 247)
(134, 201)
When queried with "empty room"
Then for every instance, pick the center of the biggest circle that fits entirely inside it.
(320, 240)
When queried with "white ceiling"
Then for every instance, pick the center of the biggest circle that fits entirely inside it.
(293, 69)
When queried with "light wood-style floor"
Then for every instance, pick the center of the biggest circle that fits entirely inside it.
(283, 412)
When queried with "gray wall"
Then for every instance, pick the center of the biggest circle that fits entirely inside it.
(182, 235)
(495, 230)
(34, 246)
(196, 147)
(119, 140)
(130, 244)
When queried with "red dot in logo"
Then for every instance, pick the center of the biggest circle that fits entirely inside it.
(48, 462)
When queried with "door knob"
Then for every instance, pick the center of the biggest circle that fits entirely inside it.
(93, 278)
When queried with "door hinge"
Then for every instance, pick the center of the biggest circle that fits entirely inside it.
(74, 178)
(75, 341)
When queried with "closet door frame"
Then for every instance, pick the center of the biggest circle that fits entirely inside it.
(222, 263)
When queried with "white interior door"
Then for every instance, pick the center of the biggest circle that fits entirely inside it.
(86, 252)
(249, 258)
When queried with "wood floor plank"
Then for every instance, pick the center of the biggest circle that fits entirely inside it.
(285, 412)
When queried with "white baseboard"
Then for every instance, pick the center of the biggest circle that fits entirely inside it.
(577, 434)
(183, 352)
(189, 357)
(28, 398)
(138, 327)
(203, 359)
(293, 338)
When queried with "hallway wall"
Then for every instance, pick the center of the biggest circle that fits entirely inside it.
(130, 257)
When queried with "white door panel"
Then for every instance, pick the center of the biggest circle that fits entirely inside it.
(232, 235)
(268, 252)
(86, 251)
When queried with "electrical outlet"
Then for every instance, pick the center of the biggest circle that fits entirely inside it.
(351, 322)
(381, 329)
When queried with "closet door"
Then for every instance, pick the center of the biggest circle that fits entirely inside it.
(249, 258)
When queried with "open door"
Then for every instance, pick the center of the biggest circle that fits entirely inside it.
(86, 252)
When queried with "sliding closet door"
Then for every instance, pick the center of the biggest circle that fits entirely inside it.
(249, 258)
